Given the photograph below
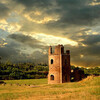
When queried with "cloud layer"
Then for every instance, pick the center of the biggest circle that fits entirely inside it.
(26, 28)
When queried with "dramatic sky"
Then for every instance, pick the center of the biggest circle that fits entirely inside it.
(29, 27)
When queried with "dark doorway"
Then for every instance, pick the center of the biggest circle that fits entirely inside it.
(52, 77)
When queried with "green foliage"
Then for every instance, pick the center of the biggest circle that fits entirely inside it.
(90, 71)
(22, 71)
(72, 67)
(95, 71)
(32, 71)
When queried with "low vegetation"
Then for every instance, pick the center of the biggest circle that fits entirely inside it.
(38, 89)
(89, 71)
(9, 71)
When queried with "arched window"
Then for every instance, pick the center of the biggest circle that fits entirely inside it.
(52, 77)
(51, 61)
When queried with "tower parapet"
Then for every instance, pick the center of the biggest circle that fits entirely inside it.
(68, 52)
(50, 50)
(59, 49)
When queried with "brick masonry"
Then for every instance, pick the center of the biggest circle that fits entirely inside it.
(59, 65)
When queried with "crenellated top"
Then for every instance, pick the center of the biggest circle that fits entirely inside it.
(50, 50)
(68, 52)
(59, 49)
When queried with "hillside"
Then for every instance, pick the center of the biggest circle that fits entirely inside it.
(38, 89)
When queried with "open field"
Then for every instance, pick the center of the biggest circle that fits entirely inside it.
(38, 89)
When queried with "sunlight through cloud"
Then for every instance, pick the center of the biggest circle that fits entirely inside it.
(53, 40)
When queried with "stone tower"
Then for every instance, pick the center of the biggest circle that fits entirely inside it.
(59, 65)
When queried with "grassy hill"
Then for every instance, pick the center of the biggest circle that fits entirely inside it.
(38, 89)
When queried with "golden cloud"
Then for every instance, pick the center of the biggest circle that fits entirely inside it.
(11, 28)
(54, 40)
(94, 3)
(44, 20)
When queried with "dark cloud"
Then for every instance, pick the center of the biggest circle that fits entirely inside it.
(4, 11)
(18, 49)
(13, 52)
(91, 40)
(72, 16)
(97, 1)
(76, 12)
(27, 40)
(91, 55)
(10, 52)
(90, 52)
(82, 16)
(39, 57)
(40, 3)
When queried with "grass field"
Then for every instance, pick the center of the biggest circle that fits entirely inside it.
(38, 89)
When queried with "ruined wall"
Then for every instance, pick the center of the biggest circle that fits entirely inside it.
(59, 67)
(66, 69)
(78, 75)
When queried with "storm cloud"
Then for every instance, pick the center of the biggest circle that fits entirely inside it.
(91, 40)
(27, 40)
(28, 26)
(4, 11)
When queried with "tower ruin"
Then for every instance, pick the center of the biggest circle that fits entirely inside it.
(59, 65)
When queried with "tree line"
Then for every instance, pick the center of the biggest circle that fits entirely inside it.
(10, 71)
(89, 71)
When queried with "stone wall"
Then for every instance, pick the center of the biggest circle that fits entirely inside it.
(59, 65)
